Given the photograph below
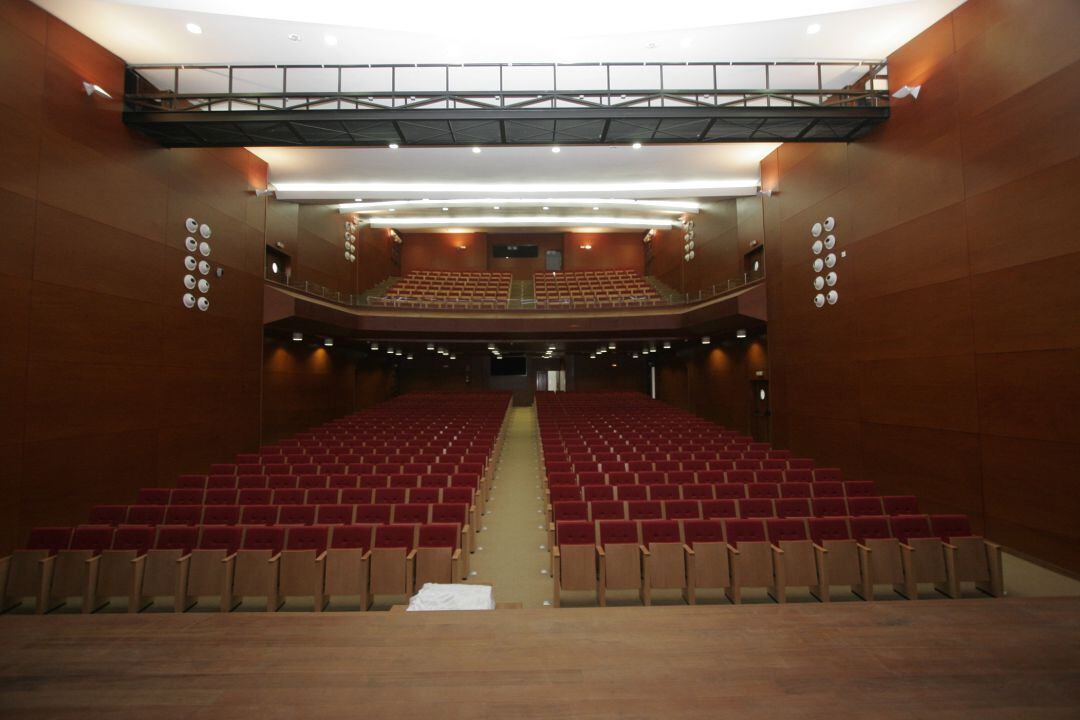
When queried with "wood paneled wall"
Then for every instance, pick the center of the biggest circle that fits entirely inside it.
(443, 251)
(949, 367)
(107, 382)
(724, 231)
(713, 381)
(305, 385)
(608, 251)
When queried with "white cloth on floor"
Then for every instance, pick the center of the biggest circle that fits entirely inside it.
(442, 596)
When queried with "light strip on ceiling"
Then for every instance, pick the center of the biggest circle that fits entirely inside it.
(662, 188)
(520, 221)
(668, 206)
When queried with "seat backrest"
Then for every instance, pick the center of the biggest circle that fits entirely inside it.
(176, 537)
(768, 476)
(52, 539)
(411, 513)
(356, 536)
(450, 513)
(570, 510)
(778, 529)
(798, 475)
(374, 514)
(755, 508)
(793, 508)
(439, 535)
(322, 496)
(618, 532)
(682, 509)
(729, 491)
(394, 536)
(795, 490)
(632, 492)
(220, 537)
(458, 495)
(181, 515)
(950, 526)
(905, 527)
(221, 515)
(829, 473)
(607, 510)
(575, 532)
(258, 514)
(645, 510)
(860, 488)
(703, 531)
(659, 531)
(829, 528)
(356, 496)
(288, 497)
(738, 531)
(870, 527)
(563, 493)
(900, 505)
(312, 537)
(719, 509)
(828, 507)
(296, 515)
(864, 506)
(262, 537)
(664, 492)
(763, 490)
(334, 514)
(828, 488)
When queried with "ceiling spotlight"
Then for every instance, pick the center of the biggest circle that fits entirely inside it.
(94, 89)
(294, 37)
(389, 351)
(740, 333)
(452, 356)
(636, 146)
(611, 346)
(194, 29)
(374, 346)
(667, 346)
(705, 340)
(431, 346)
(330, 40)
(491, 346)
(496, 207)
(551, 347)
(328, 342)
(393, 146)
(476, 151)
(408, 357)
(445, 209)
(593, 356)
(297, 337)
(813, 28)
(912, 90)
(556, 149)
(393, 209)
(545, 207)
(595, 207)
(398, 353)
(635, 356)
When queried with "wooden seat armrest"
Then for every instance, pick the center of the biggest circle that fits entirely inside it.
(551, 527)
(905, 547)
(321, 557)
(47, 560)
(555, 551)
(93, 560)
(688, 550)
(863, 548)
(412, 554)
(776, 549)
(183, 559)
(366, 556)
(229, 558)
(996, 547)
(600, 551)
(820, 550)
(732, 549)
(456, 555)
(138, 560)
(644, 551)
(948, 546)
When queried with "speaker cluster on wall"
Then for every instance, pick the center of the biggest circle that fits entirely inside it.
(825, 259)
(350, 241)
(688, 240)
(196, 265)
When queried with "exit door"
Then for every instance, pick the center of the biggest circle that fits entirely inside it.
(553, 260)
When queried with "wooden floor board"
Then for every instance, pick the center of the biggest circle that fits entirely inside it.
(941, 659)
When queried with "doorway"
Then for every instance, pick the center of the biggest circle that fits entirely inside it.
(553, 260)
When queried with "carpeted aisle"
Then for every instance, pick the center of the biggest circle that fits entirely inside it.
(512, 531)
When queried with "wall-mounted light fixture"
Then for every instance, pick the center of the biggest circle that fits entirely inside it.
(297, 337)
(906, 90)
(95, 89)
(740, 333)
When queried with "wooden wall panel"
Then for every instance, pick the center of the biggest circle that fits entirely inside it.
(108, 384)
(441, 251)
(609, 251)
(948, 369)
(523, 268)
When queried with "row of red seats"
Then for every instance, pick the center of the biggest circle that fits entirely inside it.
(714, 490)
(96, 563)
(687, 474)
(340, 481)
(325, 514)
(890, 505)
(341, 468)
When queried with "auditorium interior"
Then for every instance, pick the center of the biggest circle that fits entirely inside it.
(581, 360)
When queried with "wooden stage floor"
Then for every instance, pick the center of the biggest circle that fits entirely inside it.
(928, 659)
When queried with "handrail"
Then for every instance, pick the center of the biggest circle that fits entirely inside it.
(383, 302)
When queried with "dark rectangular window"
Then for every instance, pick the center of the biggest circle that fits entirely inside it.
(515, 251)
(512, 365)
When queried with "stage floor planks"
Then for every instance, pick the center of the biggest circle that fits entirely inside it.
(939, 658)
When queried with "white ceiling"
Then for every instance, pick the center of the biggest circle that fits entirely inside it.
(434, 31)
(421, 31)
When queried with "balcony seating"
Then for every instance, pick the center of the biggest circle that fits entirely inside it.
(451, 289)
(593, 289)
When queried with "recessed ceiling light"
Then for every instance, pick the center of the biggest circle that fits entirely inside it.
(445, 209)
(477, 151)
(813, 28)
(636, 146)
(740, 333)
(330, 40)
(297, 337)
(194, 29)
(294, 37)
(328, 342)
(359, 200)
(556, 149)
(393, 210)
(393, 146)
(595, 207)
(496, 207)
(545, 207)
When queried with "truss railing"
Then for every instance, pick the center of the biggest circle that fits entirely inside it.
(505, 86)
